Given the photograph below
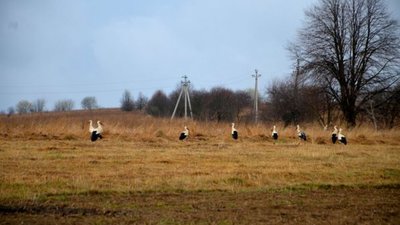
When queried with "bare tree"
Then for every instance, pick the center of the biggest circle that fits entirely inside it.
(24, 106)
(284, 102)
(127, 102)
(10, 111)
(293, 101)
(221, 104)
(352, 48)
(64, 105)
(384, 109)
(199, 100)
(243, 101)
(141, 101)
(89, 103)
(159, 105)
(38, 105)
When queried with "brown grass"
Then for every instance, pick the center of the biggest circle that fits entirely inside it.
(51, 153)
(141, 174)
(130, 126)
(34, 168)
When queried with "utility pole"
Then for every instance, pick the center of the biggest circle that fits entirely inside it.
(185, 91)
(256, 76)
(296, 90)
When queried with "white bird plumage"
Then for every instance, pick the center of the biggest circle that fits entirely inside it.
(184, 134)
(235, 134)
(341, 138)
(95, 132)
(274, 133)
(334, 135)
(91, 128)
(99, 127)
(301, 134)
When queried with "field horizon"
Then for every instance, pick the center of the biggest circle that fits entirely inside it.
(137, 126)
(140, 173)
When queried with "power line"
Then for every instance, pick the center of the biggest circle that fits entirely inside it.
(78, 91)
(39, 89)
(83, 84)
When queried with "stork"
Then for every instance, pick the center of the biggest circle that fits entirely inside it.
(99, 129)
(301, 134)
(184, 134)
(334, 135)
(274, 133)
(91, 128)
(235, 133)
(95, 132)
(341, 137)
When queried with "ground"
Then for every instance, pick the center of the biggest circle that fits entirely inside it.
(51, 173)
(329, 206)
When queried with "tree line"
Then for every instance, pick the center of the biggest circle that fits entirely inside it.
(217, 104)
(346, 67)
(39, 105)
(292, 100)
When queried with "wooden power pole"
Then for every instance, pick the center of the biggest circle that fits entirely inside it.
(256, 76)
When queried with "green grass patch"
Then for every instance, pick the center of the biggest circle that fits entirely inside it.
(391, 173)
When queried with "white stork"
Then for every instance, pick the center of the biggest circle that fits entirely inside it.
(341, 137)
(99, 128)
(235, 133)
(274, 133)
(184, 134)
(95, 132)
(334, 135)
(301, 134)
(91, 128)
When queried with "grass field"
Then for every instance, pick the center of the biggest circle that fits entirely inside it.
(50, 173)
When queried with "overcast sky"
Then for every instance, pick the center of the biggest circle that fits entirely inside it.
(72, 49)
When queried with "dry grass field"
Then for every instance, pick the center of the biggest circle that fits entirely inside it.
(140, 173)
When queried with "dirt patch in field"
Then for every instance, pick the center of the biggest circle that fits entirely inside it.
(331, 206)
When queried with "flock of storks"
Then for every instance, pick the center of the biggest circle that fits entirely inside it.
(337, 136)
